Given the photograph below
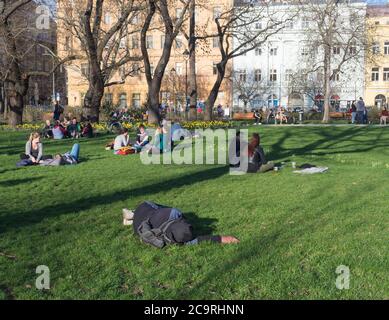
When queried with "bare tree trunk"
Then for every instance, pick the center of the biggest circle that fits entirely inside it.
(153, 105)
(209, 104)
(327, 87)
(192, 63)
(94, 95)
(16, 107)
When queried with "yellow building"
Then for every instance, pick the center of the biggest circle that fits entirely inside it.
(133, 93)
(377, 65)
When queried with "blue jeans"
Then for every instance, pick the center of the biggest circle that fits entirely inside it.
(353, 117)
(75, 153)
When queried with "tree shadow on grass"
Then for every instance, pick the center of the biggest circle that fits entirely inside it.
(15, 182)
(328, 143)
(12, 220)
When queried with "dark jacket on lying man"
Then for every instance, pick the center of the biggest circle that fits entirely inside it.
(159, 226)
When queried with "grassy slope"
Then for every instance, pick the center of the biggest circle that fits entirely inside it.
(294, 230)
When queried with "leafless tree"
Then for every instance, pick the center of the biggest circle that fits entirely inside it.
(248, 86)
(17, 39)
(237, 34)
(338, 38)
(104, 45)
(160, 11)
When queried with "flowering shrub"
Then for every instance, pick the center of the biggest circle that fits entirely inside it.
(206, 125)
(23, 127)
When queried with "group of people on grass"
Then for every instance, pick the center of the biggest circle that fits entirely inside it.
(67, 129)
(34, 155)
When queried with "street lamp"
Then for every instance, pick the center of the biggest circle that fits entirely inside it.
(173, 73)
(186, 55)
(52, 57)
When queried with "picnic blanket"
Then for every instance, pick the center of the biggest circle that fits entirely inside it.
(313, 170)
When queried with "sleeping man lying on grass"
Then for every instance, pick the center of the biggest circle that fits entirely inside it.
(159, 226)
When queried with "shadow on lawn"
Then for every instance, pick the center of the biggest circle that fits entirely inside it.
(15, 182)
(12, 220)
(328, 143)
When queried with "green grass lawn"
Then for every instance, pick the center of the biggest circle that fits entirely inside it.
(294, 230)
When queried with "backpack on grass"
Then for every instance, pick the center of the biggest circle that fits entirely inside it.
(160, 237)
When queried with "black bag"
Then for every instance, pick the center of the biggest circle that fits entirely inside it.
(156, 237)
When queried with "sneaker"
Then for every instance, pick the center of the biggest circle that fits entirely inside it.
(128, 214)
(127, 222)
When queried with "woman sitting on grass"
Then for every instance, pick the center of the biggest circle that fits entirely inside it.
(142, 139)
(121, 143)
(34, 151)
(257, 158)
(59, 131)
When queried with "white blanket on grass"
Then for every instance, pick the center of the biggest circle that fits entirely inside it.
(312, 170)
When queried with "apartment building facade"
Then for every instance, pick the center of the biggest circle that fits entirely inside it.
(377, 65)
(276, 69)
(133, 92)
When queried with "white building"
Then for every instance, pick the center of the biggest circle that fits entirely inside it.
(281, 70)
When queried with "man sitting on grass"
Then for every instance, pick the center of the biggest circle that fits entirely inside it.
(122, 141)
(159, 226)
(142, 139)
(74, 129)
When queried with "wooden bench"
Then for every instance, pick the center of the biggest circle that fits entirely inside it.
(244, 116)
(340, 115)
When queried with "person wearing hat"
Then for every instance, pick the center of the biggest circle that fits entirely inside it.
(159, 226)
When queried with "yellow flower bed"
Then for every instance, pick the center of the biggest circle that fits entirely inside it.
(206, 125)
(26, 126)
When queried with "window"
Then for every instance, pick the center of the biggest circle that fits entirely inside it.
(136, 69)
(108, 99)
(162, 41)
(179, 42)
(386, 74)
(215, 42)
(386, 47)
(335, 75)
(123, 43)
(67, 46)
(214, 68)
(122, 72)
(258, 51)
(375, 74)
(242, 75)
(123, 100)
(179, 70)
(288, 74)
(376, 48)
(136, 100)
(107, 18)
(258, 75)
(304, 51)
(258, 25)
(353, 49)
(217, 11)
(134, 42)
(178, 13)
(305, 23)
(85, 70)
(336, 50)
(152, 69)
(149, 42)
(290, 24)
(273, 51)
(273, 75)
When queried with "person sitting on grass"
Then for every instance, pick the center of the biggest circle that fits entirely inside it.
(142, 138)
(47, 131)
(34, 151)
(67, 158)
(122, 141)
(384, 116)
(160, 225)
(87, 130)
(59, 132)
(74, 129)
(257, 159)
